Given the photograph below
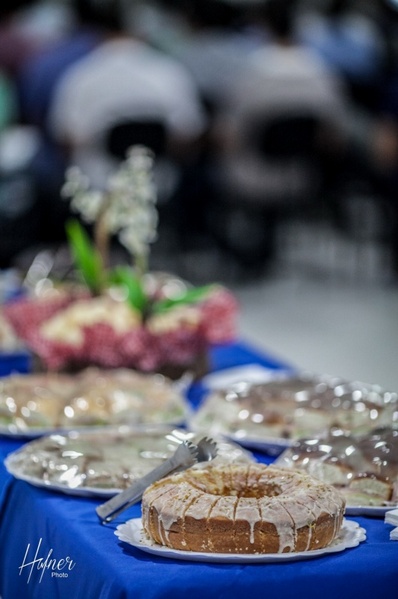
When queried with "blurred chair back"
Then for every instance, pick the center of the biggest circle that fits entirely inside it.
(287, 137)
(272, 172)
(149, 133)
(275, 162)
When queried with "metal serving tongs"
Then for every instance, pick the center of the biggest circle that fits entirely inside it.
(186, 455)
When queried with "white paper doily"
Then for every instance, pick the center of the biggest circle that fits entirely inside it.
(131, 532)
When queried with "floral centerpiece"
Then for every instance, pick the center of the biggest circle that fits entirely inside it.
(122, 316)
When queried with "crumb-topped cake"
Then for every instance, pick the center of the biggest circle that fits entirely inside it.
(242, 509)
(295, 407)
(93, 397)
(364, 470)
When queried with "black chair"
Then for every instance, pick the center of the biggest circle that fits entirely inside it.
(274, 173)
(153, 134)
(149, 133)
(287, 137)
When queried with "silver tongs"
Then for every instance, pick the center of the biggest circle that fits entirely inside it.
(186, 455)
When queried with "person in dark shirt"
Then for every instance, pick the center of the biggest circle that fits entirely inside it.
(17, 45)
(36, 83)
(39, 76)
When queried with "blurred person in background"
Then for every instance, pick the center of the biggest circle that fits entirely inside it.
(350, 42)
(124, 79)
(19, 214)
(27, 29)
(284, 79)
(213, 45)
(16, 43)
(383, 157)
(40, 74)
(37, 82)
(210, 40)
(160, 22)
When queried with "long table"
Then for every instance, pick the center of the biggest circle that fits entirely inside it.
(53, 546)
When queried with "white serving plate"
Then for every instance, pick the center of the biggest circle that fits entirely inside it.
(67, 462)
(131, 532)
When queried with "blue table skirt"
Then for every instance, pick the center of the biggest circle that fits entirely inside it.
(93, 564)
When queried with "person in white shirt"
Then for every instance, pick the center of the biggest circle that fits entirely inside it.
(283, 81)
(122, 79)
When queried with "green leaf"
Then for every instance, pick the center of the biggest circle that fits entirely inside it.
(191, 296)
(136, 297)
(87, 258)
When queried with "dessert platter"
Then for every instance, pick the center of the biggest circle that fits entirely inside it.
(241, 512)
(35, 404)
(100, 464)
(364, 469)
(270, 416)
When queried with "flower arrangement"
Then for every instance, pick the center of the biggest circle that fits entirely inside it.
(119, 319)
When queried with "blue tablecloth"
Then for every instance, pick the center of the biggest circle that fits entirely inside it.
(85, 560)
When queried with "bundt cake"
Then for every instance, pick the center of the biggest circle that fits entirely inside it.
(242, 508)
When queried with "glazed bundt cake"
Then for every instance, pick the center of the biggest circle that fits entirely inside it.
(242, 508)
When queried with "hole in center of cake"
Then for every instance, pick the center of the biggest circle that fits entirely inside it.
(255, 491)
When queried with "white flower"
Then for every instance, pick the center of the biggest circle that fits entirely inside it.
(88, 204)
(128, 205)
(75, 182)
(84, 201)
